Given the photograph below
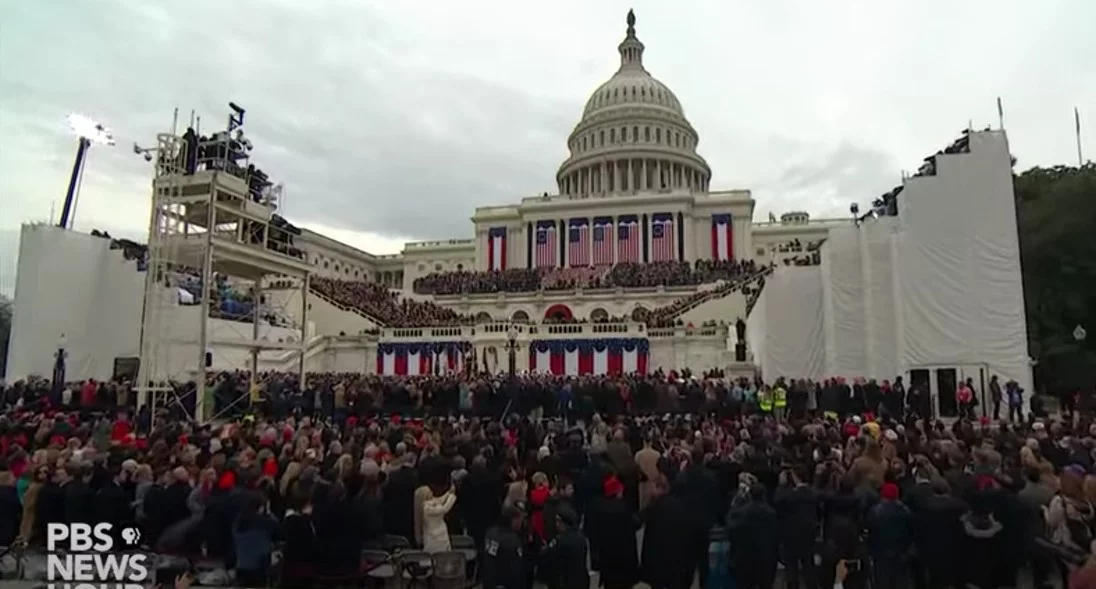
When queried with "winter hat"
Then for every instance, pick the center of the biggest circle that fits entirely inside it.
(889, 491)
(612, 486)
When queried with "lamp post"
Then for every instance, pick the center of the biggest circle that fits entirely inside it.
(1079, 333)
(58, 384)
(88, 132)
(512, 346)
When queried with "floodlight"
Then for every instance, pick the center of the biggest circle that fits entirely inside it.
(88, 129)
(89, 133)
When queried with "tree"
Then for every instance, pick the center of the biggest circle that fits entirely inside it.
(1056, 214)
(5, 331)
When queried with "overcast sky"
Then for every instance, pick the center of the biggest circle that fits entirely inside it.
(389, 121)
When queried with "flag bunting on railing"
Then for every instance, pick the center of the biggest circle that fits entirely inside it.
(413, 359)
(589, 356)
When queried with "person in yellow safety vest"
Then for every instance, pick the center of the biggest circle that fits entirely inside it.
(765, 400)
(780, 401)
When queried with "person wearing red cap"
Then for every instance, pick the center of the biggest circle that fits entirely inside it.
(890, 537)
(613, 537)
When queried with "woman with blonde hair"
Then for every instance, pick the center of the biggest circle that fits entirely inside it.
(28, 526)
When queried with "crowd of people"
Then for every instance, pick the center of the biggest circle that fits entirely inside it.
(623, 275)
(550, 479)
(389, 309)
(386, 306)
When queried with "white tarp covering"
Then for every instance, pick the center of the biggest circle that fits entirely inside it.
(72, 284)
(938, 286)
(785, 327)
(962, 290)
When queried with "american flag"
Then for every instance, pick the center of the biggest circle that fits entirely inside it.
(578, 243)
(545, 254)
(628, 240)
(603, 242)
(662, 239)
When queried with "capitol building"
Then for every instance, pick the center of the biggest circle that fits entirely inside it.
(635, 263)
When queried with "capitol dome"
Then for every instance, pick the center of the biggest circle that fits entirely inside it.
(633, 136)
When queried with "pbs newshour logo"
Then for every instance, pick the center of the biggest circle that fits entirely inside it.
(84, 556)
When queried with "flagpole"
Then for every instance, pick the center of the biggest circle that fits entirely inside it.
(1000, 114)
(1077, 126)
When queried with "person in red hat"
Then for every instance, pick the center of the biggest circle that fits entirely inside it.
(890, 537)
(613, 537)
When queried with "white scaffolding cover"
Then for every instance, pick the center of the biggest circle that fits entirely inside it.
(785, 327)
(938, 286)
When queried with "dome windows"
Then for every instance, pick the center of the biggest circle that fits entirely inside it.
(601, 138)
(635, 134)
(647, 134)
(658, 135)
(612, 135)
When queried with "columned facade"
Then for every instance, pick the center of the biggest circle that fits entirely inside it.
(633, 137)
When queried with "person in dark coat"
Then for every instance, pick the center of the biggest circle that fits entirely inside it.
(503, 558)
(11, 511)
(399, 494)
(938, 535)
(890, 536)
(666, 541)
(615, 537)
(752, 529)
(479, 499)
(79, 497)
(301, 546)
(699, 488)
(797, 504)
(113, 501)
(564, 561)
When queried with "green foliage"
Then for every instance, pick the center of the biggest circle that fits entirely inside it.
(5, 331)
(1056, 210)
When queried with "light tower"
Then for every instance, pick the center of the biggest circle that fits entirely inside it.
(213, 222)
(88, 133)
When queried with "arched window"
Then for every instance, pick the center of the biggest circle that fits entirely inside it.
(601, 138)
(584, 143)
(635, 134)
(647, 134)
(612, 135)
(624, 134)
(658, 135)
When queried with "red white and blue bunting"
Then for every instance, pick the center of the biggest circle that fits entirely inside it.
(589, 356)
(411, 359)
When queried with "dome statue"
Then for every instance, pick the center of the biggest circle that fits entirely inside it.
(633, 136)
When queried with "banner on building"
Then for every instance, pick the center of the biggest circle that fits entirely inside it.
(496, 248)
(589, 356)
(413, 359)
(722, 238)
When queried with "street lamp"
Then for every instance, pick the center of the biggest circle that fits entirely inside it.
(58, 384)
(1079, 333)
(512, 347)
(88, 132)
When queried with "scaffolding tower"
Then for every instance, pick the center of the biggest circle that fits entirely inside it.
(213, 222)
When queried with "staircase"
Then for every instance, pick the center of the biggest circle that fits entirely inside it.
(715, 304)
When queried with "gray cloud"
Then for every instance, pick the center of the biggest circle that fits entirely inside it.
(397, 119)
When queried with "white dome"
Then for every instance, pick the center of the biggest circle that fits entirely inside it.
(633, 136)
(632, 87)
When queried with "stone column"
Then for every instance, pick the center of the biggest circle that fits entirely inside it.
(631, 176)
(604, 177)
(658, 174)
